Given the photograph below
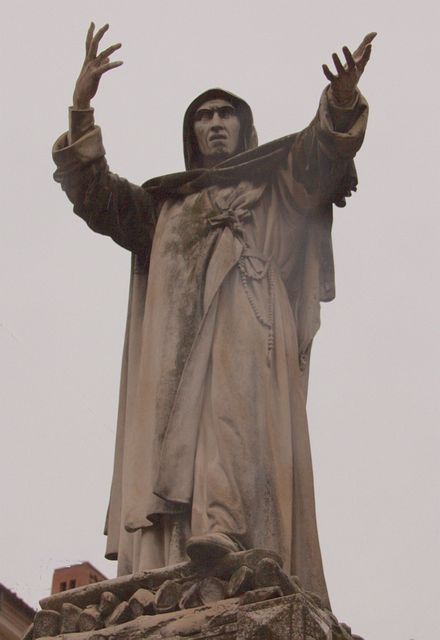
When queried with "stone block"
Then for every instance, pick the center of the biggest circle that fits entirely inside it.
(108, 603)
(90, 619)
(121, 614)
(190, 597)
(69, 618)
(211, 590)
(268, 573)
(46, 623)
(142, 603)
(167, 597)
(241, 580)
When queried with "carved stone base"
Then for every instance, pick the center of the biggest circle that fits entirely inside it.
(242, 596)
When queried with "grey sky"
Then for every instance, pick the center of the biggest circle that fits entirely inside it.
(374, 400)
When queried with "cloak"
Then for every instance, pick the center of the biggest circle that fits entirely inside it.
(229, 266)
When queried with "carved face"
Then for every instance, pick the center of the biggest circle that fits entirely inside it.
(217, 130)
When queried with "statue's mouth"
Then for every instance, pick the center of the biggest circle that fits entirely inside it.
(217, 136)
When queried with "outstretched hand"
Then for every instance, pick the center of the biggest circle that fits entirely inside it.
(95, 65)
(344, 83)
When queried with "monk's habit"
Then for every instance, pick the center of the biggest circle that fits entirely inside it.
(229, 266)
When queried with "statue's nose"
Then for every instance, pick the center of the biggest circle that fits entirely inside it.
(216, 120)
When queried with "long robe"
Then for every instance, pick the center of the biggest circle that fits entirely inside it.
(229, 268)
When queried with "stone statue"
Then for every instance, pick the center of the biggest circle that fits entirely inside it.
(230, 260)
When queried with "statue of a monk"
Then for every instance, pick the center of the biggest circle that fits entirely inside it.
(230, 260)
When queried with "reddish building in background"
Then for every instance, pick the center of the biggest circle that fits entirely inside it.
(15, 615)
(77, 575)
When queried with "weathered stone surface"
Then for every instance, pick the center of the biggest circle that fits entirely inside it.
(190, 597)
(313, 597)
(90, 619)
(316, 627)
(212, 590)
(121, 614)
(204, 602)
(240, 581)
(125, 586)
(167, 597)
(271, 623)
(108, 603)
(69, 618)
(186, 626)
(46, 623)
(260, 595)
(141, 603)
(269, 574)
(225, 615)
(226, 566)
(292, 617)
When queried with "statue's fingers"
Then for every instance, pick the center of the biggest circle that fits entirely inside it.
(108, 66)
(328, 74)
(365, 57)
(107, 52)
(369, 37)
(365, 42)
(97, 39)
(349, 58)
(89, 36)
(338, 64)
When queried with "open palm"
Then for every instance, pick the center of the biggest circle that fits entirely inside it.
(93, 67)
(344, 82)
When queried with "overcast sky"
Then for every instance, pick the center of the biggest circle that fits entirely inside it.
(374, 393)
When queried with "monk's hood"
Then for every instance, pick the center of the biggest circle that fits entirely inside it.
(248, 162)
(248, 136)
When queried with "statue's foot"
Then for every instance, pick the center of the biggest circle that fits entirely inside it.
(210, 547)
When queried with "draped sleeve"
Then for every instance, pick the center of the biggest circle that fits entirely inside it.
(319, 168)
(109, 204)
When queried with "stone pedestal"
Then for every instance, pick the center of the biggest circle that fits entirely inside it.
(242, 596)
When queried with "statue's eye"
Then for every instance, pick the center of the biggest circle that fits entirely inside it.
(226, 112)
(204, 115)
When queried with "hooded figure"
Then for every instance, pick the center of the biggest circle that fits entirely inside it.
(248, 136)
(229, 266)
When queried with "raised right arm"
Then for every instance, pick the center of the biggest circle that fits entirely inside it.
(109, 204)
